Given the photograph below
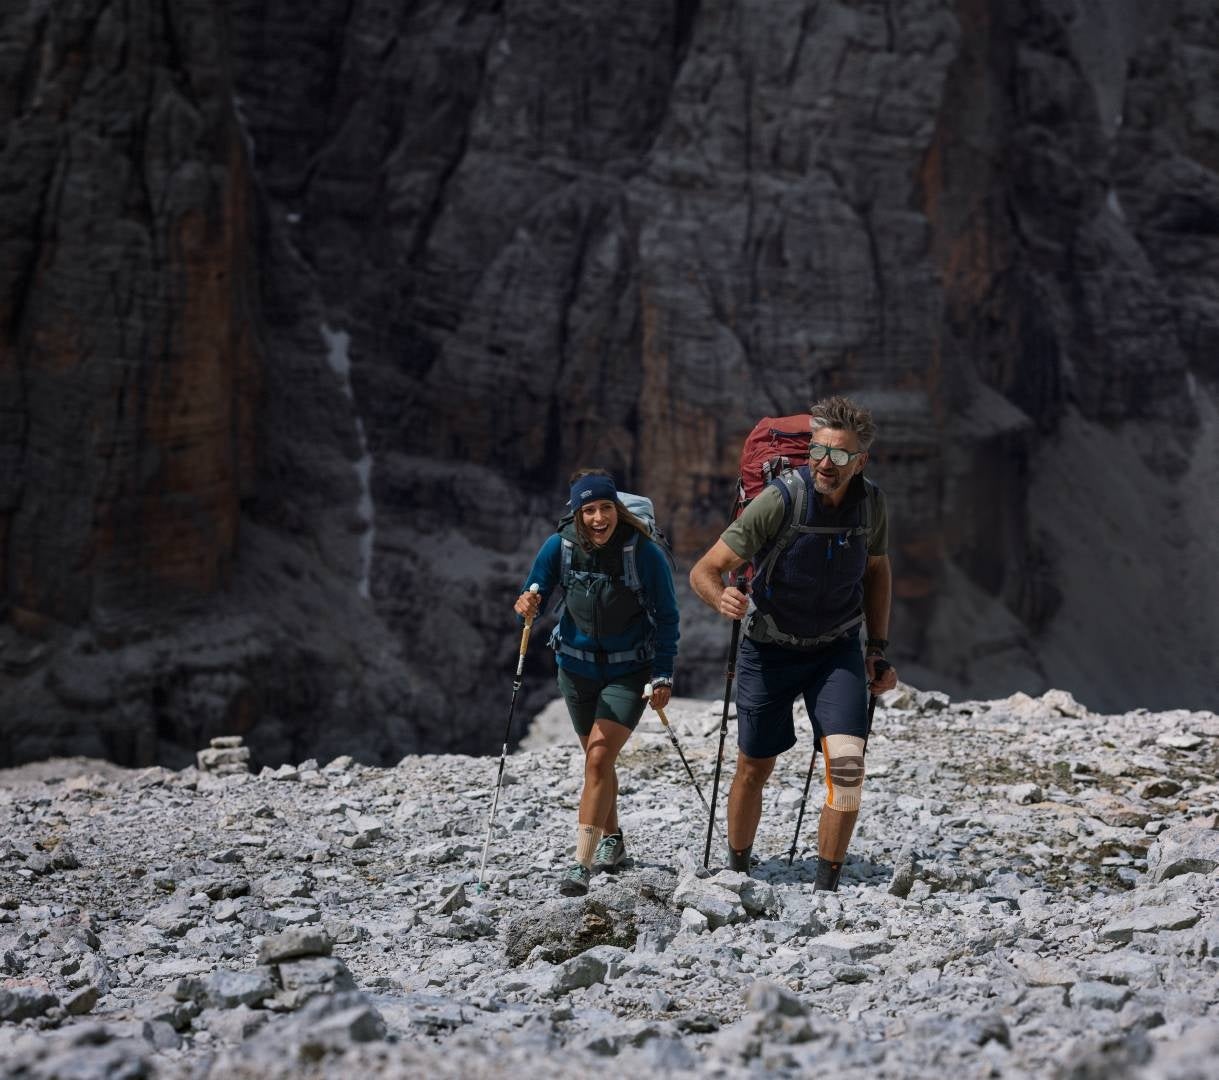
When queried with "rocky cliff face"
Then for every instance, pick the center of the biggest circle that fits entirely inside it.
(378, 276)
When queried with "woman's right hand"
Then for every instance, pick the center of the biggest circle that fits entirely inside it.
(527, 605)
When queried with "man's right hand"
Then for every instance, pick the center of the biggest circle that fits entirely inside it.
(707, 581)
(733, 603)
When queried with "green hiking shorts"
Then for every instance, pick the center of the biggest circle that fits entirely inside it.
(619, 699)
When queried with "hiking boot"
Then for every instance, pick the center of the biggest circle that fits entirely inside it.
(575, 881)
(827, 875)
(740, 860)
(610, 852)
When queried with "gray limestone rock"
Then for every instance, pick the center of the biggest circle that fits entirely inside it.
(1183, 849)
(293, 943)
(22, 1002)
(224, 761)
(309, 976)
(1149, 920)
(838, 945)
(583, 970)
(563, 929)
(717, 903)
(1099, 995)
(227, 989)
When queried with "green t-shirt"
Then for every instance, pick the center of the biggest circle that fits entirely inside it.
(762, 519)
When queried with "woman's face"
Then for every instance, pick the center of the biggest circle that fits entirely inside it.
(600, 518)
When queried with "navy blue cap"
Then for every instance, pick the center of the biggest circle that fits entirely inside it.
(591, 488)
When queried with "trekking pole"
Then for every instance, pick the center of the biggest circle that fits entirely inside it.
(719, 757)
(647, 693)
(791, 855)
(499, 778)
(880, 667)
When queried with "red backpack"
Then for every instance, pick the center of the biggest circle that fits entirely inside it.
(776, 444)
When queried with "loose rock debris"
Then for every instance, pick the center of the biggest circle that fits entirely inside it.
(1033, 890)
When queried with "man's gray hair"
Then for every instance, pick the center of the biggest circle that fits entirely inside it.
(842, 414)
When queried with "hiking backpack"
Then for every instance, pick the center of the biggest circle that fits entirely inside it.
(777, 444)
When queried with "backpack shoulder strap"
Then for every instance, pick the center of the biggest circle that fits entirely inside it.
(565, 562)
(794, 490)
(630, 569)
(565, 555)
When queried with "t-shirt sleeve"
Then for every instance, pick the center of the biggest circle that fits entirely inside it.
(758, 523)
(878, 541)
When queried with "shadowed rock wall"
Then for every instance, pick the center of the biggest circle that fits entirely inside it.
(128, 380)
(498, 240)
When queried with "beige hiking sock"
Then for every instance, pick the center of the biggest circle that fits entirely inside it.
(587, 838)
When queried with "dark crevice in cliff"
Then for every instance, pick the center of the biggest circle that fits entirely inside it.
(29, 79)
(571, 291)
(545, 477)
(685, 14)
(177, 63)
(806, 21)
(436, 204)
(878, 277)
(479, 7)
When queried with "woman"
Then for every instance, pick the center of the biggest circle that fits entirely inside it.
(618, 631)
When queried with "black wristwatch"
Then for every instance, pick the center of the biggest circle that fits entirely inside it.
(876, 644)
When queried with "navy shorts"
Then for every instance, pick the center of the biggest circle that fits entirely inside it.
(832, 679)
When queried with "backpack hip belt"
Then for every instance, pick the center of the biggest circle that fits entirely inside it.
(762, 628)
(643, 652)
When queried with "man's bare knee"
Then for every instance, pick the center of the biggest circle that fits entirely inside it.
(753, 772)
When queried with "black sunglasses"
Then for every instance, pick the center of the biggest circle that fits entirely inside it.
(839, 456)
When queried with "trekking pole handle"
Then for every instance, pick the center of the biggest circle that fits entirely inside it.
(739, 581)
(647, 693)
(534, 588)
(880, 665)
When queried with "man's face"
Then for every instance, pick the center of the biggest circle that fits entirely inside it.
(829, 480)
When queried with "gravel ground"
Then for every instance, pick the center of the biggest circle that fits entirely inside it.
(1032, 890)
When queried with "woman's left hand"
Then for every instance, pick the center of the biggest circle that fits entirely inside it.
(660, 696)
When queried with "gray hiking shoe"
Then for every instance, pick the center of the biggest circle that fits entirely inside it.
(610, 852)
(575, 881)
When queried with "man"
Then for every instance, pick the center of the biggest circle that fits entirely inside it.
(814, 585)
